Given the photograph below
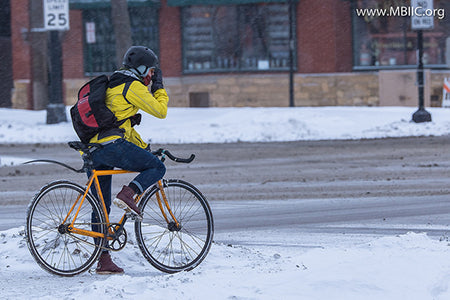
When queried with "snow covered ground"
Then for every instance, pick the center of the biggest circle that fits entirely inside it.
(223, 125)
(277, 264)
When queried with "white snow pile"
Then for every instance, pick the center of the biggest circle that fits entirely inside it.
(410, 266)
(223, 125)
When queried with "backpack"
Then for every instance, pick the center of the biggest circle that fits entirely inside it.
(90, 114)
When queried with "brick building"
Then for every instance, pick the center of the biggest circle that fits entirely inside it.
(236, 52)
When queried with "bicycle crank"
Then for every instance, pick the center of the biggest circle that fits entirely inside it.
(117, 237)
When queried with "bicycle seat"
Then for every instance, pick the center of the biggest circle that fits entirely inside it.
(86, 148)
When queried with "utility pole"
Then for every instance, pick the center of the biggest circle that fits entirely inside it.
(122, 28)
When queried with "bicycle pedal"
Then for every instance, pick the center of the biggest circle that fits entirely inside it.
(133, 216)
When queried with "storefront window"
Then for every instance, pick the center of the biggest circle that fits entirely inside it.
(99, 41)
(383, 37)
(235, 37)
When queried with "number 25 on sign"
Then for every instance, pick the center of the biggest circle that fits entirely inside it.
(56, 14)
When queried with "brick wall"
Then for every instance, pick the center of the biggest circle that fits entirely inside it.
(20, 54)
(19, 33)
(72, 44)
(170, 40)
(324, 36)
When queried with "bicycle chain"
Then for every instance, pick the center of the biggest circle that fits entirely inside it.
(132, 216)
(89, 243)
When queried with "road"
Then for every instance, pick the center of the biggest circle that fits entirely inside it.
(385, 186)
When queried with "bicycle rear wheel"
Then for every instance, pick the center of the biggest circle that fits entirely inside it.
(54, 248)
(169, 248)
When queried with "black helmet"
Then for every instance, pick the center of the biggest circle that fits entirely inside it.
(138, 56)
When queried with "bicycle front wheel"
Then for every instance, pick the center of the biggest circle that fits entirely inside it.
(168, 247)
(53, 247)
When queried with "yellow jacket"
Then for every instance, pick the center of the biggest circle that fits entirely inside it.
(137, 97)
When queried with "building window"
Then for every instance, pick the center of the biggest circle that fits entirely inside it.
(235, 37)
(389, 42)
(99, 49)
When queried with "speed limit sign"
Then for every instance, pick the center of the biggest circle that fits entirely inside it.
(56, 14)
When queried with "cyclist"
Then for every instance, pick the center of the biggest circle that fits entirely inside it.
(122, 146)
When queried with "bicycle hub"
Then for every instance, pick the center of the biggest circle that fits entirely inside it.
(172, 226)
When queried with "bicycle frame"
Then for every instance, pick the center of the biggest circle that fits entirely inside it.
(93, 179)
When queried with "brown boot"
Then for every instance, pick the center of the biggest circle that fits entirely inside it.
(106, 266)
(125, 200)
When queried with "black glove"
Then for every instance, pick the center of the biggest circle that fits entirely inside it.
(136, 119)
(157, 81)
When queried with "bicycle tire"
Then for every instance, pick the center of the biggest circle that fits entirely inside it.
(63, 254)
(171, 250)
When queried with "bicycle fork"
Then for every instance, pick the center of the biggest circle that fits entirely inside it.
(173, 225)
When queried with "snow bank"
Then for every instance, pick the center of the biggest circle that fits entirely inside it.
(223, 125)
(410, 266)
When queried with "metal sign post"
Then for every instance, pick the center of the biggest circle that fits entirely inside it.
(56, 18)
(292, 7)
(421, 19)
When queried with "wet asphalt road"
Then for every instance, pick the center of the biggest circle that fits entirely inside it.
(386, 186)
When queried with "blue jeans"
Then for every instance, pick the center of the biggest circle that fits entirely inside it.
(127, 156)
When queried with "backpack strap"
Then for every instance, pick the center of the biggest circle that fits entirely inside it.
(125, 90)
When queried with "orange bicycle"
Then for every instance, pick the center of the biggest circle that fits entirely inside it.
(174, 234)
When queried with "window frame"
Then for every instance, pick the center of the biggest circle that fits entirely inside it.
(408, 34)
(87, 54)
(239, 68)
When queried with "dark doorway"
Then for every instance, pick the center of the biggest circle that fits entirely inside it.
(6, 80)
(199, 99)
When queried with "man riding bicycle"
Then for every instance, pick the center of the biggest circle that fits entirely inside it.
(122, 146)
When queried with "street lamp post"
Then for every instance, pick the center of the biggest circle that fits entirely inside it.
(420, 20)
(421, 115)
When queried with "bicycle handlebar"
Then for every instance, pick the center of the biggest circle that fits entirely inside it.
(162, 152)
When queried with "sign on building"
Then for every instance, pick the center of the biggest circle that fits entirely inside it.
(90, 32)
(422, 14)
(56, 14)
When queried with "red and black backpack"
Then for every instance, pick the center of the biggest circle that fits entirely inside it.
(90, 114)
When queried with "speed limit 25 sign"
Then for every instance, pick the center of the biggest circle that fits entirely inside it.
(56, 14)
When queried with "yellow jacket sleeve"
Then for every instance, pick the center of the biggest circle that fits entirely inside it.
(137, 97)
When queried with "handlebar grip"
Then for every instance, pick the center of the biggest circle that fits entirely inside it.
(184, 160)
(161, 152)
